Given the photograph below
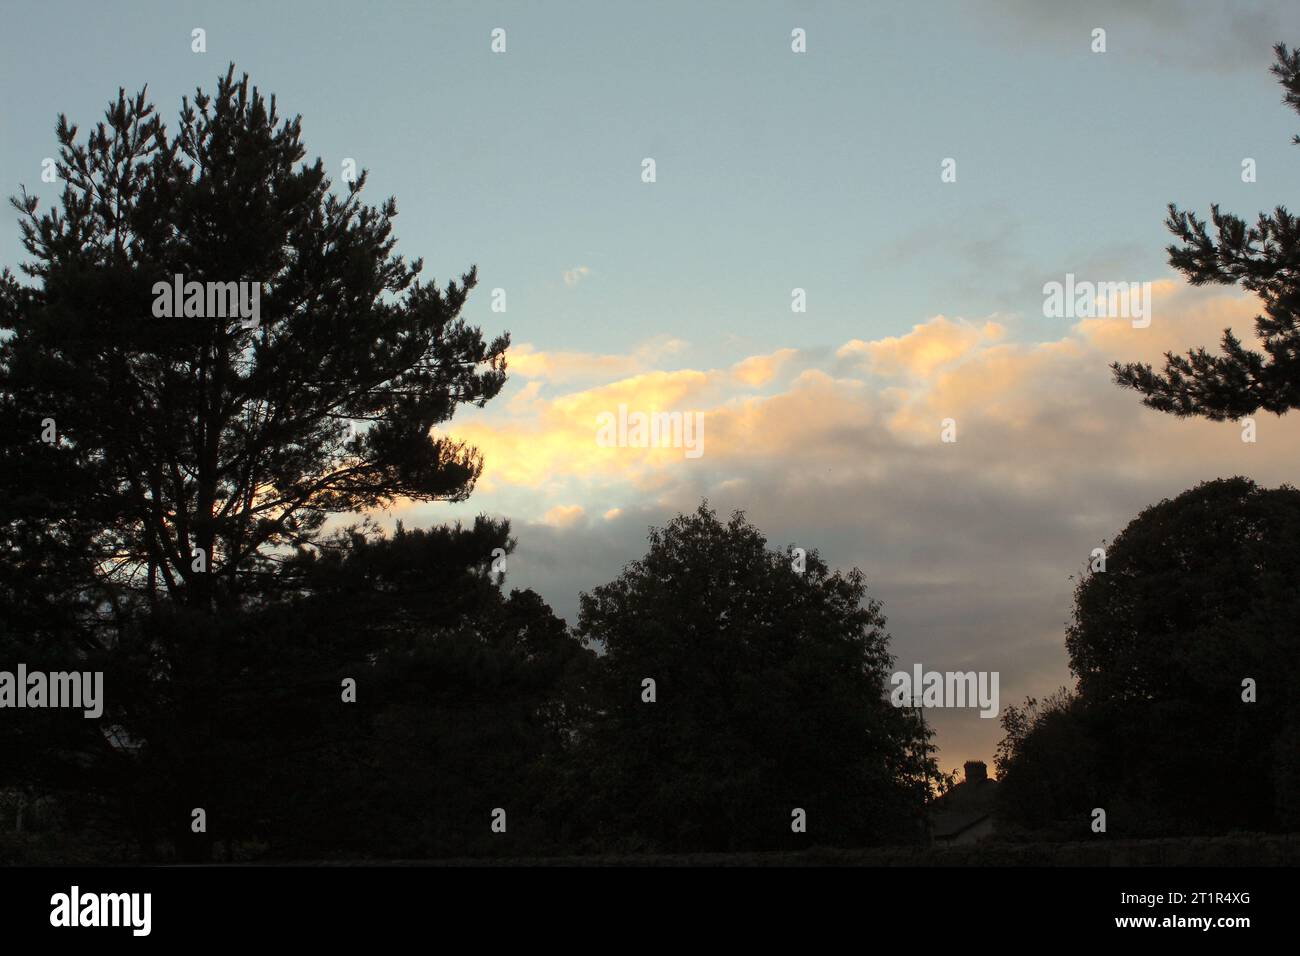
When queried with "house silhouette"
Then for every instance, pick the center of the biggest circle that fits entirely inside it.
(965, 813)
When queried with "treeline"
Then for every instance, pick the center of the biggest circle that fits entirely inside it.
(392, 702)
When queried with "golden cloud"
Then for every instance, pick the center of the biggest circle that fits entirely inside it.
(927, 347)
(1022, 408)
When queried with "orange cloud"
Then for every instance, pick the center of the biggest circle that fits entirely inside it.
(758, 370)
(1025, 411)
(1179, 321)
(527, 362)
(564, 515)
(927, 347)
(558, 439)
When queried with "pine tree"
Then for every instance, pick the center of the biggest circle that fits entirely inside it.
(1264, 259)
(162, 459)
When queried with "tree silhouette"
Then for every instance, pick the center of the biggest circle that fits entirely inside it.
(1264, 259)
(771, 689)
(1196, 599)
(467, 699)
(201, 433)
(1050, 772)
(159, 470)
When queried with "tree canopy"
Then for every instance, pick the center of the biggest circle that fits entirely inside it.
(204, 434)
(771, 693)
(1187, 653)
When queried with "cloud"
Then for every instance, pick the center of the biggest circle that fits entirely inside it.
(557, 439)
(1179, 321)
(564, 515)
(524, 361)
(926, 348)
(528, 362)
(575, 275)
(889, 393)
(758, 370)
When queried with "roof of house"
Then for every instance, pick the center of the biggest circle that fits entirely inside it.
(962, 807)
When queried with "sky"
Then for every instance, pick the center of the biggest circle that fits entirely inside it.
(776, 171)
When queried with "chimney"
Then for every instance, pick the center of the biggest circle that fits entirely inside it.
(976, 771)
